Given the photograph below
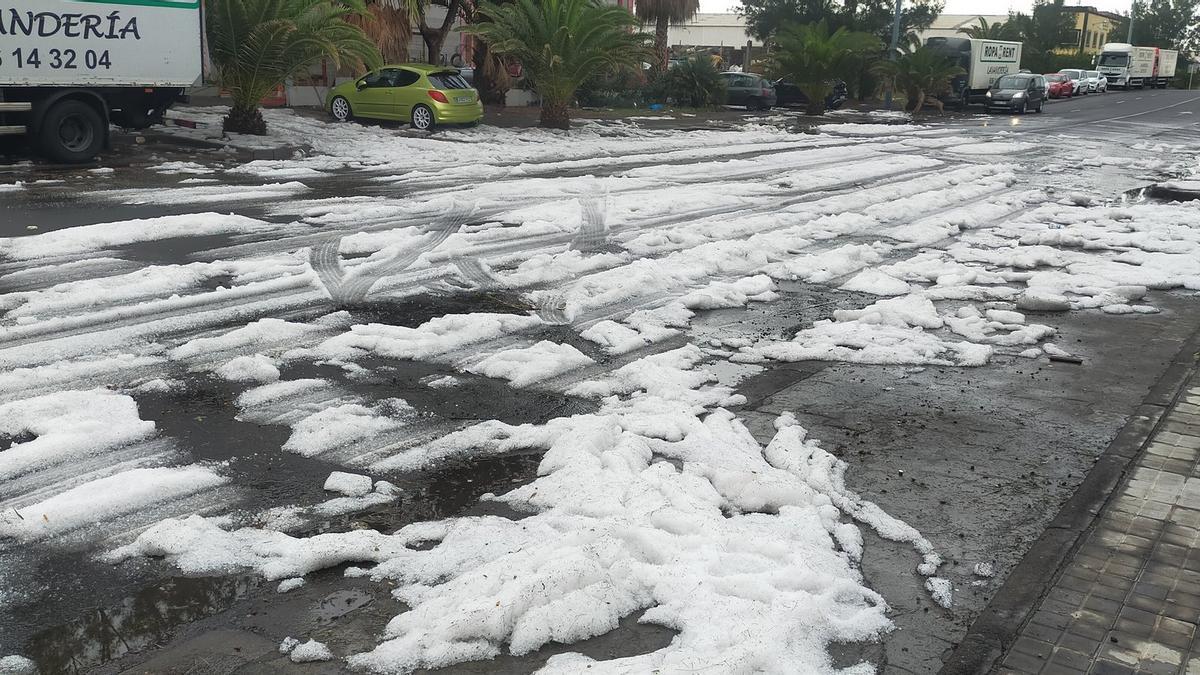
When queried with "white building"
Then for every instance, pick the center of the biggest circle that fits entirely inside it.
(725, 33)
(712, 30)
(948, 25)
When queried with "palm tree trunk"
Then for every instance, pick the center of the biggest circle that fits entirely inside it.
(244, 118)
(661, 48)
(435, 37)
(555, 115)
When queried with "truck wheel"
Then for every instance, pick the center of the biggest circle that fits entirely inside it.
(71, 132)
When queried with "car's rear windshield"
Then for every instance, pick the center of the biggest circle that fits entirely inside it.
(1056, 78)
(1072, 73)
(448, 81)
(1093, 73)
(1013, 82)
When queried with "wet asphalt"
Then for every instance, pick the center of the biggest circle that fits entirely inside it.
(988, 455)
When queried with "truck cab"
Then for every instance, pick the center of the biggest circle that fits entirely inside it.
(1114, 64)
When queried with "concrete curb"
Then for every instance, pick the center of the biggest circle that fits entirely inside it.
(158, 137)
(1000, 622)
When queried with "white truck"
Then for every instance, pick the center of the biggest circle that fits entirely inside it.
(70, 68)
(1126, 66)
(983, 62)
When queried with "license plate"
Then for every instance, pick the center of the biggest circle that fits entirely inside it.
(462, 99)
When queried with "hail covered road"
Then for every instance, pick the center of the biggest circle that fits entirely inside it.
(655, 376)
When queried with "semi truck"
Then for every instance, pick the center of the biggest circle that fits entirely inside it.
(69, 69)
(1127, 66)
(983, 61)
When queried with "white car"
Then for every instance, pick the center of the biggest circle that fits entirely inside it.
(1096, 81)
(1078, 80)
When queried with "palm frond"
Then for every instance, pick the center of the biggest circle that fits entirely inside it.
(674, 11)
(257, 44)
(561, 43)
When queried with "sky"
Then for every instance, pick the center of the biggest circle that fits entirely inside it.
(960, 6)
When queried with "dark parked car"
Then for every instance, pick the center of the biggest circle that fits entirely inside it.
(788, 94)
(749, 90)
(1018, 93)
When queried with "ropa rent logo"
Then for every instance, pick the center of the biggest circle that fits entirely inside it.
(999, 52)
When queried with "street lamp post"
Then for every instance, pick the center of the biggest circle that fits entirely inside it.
(1132, 10)
(887, 96)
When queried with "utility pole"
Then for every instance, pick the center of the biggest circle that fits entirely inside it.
(1132, 10)
(887, 96)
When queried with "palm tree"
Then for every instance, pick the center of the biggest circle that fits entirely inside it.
(560, 44)
(255, 45)
(812, 58)
(388, 23)
(665, 13)
(989, 31)
(922, 73)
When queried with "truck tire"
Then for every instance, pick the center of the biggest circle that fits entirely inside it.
(71, 132)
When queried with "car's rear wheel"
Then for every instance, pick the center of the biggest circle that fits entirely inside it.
(754, 103)
(339, 107)
(422, 118)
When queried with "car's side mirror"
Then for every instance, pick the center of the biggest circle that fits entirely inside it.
(361, 84)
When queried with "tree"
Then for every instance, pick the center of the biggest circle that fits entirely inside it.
(990, 31)
(663, 14)
(922, 73)
(1047, 28)
(812, 57)
(491, 72)
(560, 44)
(1167, 23)
(255, 45)
(388, 24)
(435, 36)
(765, 17)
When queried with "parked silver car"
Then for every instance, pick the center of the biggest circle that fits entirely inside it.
(1096, 81)
(1078, 80)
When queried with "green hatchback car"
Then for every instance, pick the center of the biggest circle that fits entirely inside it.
(417, 93)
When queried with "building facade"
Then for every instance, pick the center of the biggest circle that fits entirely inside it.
(1092, 28)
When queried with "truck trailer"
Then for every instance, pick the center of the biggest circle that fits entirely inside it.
(1128, 66)
(983, 62)
(71, 68)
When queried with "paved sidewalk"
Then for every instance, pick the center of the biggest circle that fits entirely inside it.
(1128, 601)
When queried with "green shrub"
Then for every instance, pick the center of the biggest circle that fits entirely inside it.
(694, 83)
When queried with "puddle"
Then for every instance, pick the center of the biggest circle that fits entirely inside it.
(139, 622)
(413, 311)
(172, 250)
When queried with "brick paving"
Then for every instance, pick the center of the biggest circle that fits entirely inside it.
(1128, 601)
